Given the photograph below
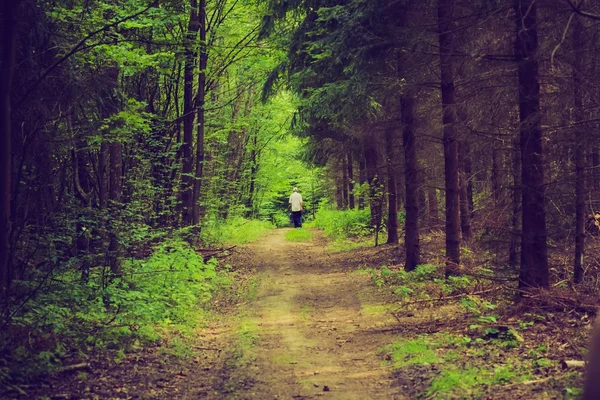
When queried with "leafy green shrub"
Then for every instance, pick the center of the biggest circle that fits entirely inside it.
(165, 292)
(281, 219)
(341, 224)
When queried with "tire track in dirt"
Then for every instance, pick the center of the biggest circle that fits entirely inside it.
(315, 338)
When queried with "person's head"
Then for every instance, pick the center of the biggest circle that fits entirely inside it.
(295, 189)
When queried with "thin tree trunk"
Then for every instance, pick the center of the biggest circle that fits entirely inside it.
(534, 251)
(391, 183)
(115, 194)
(200, 100)
(344, 183)
(7, 58)
(411, 205)
(515, 237)
(362, 171)
(187, 196)
(445, 9)
(465, 212)
(253, 171)
(580, 192)
(350, 181)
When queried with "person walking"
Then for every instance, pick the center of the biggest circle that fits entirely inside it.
(296, 208)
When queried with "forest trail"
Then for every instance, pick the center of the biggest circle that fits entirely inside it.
(309, 327)
(319, 326)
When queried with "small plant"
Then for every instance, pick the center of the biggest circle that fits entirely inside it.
(299, 235)
(407, 352)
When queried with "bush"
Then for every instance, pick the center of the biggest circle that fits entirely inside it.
(281, 219)
(341, 224)
(234, 230)
(69, 316)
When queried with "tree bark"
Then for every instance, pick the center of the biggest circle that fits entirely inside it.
(187, 196)
(200, 100)
(497, 178)
(350, 181)
(445, 10)
(344, 183)
(362, 172)
(515, 237)
(465, 212)
(7, 66)
(411, 205)
(580, 192)
(253, 171)
(534, 252)
(115, 194)
(391, 183)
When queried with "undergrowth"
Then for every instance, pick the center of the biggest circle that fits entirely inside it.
(299, 235)
(342, 224)
(237, 230)
(466, 367)
(159, 298)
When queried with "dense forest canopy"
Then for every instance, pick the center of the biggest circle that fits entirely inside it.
(133, 129)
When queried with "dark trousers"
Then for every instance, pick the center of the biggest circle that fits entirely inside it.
(297, 219)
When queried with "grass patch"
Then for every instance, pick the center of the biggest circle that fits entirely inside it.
(305, 312)
(299, 235)
(235, 231)
(341, 245)
(408, 352)
(467, 368)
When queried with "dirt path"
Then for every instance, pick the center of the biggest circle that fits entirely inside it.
(312, 330)
(319, 327)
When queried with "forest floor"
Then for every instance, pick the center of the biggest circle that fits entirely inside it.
(312, 325)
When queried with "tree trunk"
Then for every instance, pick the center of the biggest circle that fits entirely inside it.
(115, 194)
(391, 183)
(497, 165)
(187, 196)
(534, 251)
(362, 172)
(580, 135)
(253, 171)
(103, 176)
(7, 66)
(445, 9)
(200, 100)
(465, 212)
(344, 183)
(411, 205)
(513, 256)
(350, 182)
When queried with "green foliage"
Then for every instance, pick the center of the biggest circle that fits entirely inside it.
(407, 352)
(343, 224)
(451, 355)
(159, 294)
(234, 230)
(299, 235)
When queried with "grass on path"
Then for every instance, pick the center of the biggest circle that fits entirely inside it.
(299, 235)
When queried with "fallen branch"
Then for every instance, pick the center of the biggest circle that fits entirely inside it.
(75, 367)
